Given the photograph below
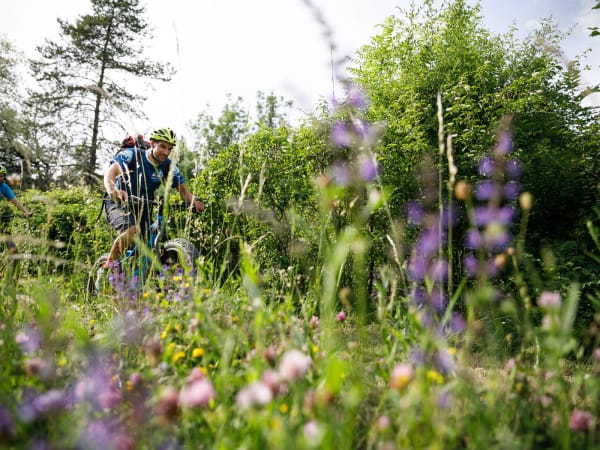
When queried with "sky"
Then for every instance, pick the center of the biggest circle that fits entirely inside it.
(240, 47)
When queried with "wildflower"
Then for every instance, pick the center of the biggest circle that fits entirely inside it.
(526, 200)
(383, 422)
(341, 316)
(37, 366)
(367, 167)
(167, 406)
(283, 408)
(462, 190)
(177, 356)
(7, 426)
(435, 376)
(294, 365)
(357, 97)
(311, 430)
(196, 394)
(341, 135)
(549, 300)
(270, 353)
(401, 376)
(198, 352)
(580, 420)
(510, 364)
(314, 322)
(257, 393)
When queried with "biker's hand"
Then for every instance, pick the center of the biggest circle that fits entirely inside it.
(198, 206)
(26, 214)
(120, 196)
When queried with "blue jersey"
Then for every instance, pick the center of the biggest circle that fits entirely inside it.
(145, 178)
(6, 192)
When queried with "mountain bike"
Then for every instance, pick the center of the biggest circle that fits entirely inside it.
(159, 257)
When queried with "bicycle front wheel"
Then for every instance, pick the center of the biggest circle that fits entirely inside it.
(179, 255)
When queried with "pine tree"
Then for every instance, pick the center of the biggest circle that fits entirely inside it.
(83, 78)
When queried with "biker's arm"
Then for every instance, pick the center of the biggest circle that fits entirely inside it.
(21, 208)
(110, 183)
(188, 197)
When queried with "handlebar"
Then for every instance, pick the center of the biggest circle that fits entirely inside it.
(135, 200)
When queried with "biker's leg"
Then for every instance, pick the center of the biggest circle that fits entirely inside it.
(121, 243)
(124, 222)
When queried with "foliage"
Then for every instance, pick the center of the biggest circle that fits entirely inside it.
(80, 79)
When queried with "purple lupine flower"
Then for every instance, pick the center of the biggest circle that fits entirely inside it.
(473, 239)
(504, 145)
(439, 270)
(29, 340)
(51, 401)
(513, 168)
(471, 265)
(511, 190)
(429, 243)
(418, 296)
(414, 213)
(417, 267)
(7, 426)
(486, 189)
(340, 173)
(357, 98)
(341, 135)
(361, 127)
(439, 300)
(367, 168)
(487, 166)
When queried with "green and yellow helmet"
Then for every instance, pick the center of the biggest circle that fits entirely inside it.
(164, 134)
(3, 170)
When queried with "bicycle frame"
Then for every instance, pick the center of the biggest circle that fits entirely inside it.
(156, 234)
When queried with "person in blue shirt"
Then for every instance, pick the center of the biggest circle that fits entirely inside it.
(6, 193)
(140, 173)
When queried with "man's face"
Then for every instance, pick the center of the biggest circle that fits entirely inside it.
(161, 150)
(2, 177)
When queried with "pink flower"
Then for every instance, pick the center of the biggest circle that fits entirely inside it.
(580, 420)
(294, 365)
(510, 364)
(341, 316)
(196, 394)
(314, 322)
(257, 393)
(311, 429)
(401, 376)
(549, 300)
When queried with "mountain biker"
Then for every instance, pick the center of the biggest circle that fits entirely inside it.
(6, 193)
(121, 181)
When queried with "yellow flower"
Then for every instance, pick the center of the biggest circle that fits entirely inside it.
(197, 352)
(435, 376)
(283, 408)
(234, 319)
(315, 349)
(163, 335)
(146, 295)
(452, 350)
(62, 361)
(177, 278)
(204, 370)
(177, 356)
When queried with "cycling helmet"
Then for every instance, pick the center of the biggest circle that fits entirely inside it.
(3, 170)
(164, 134)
